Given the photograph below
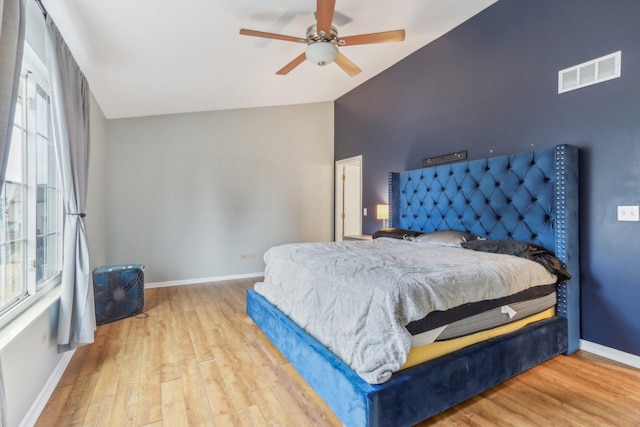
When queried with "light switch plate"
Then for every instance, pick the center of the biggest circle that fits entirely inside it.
(364, 212)
(628, 213)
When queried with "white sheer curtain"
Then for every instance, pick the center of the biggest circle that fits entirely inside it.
(70, 108)
(12, 27)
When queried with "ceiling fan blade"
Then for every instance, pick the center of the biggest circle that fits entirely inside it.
(291, 65)
(338, 18)
(263, 34)
(324, 15)
(348, 66)
(384, 37)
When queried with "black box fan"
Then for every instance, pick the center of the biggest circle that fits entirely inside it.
(118, 292)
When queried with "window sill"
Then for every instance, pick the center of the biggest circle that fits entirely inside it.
(19, 318)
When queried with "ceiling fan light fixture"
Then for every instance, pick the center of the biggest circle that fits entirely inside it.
(321, 53)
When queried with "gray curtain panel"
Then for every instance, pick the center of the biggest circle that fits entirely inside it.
(12, 27)
(70, 110)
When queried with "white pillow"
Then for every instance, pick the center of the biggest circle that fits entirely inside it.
(445, 238)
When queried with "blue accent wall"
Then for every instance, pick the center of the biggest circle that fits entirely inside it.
(490, 86)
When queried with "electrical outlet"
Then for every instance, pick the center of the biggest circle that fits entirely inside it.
(628, 213)
(364, 212)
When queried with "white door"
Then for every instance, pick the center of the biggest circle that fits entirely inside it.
(348, 197)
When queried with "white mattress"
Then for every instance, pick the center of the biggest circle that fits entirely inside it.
(486, 320)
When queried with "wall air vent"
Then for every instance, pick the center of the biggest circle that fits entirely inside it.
(589, 73)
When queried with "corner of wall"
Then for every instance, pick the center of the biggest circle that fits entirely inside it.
(96, 220)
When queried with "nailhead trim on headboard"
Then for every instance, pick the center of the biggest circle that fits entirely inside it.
(392, 180)
(567, 239)
(561, 223)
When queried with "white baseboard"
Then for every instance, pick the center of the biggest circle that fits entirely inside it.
(611, 353)
(38, 405)
(201, 280)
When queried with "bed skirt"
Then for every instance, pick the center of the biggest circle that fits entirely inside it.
(416, 393)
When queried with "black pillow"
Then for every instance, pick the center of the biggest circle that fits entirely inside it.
(522, 250)
(396, 233)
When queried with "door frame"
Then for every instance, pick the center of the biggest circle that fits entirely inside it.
(339, 192)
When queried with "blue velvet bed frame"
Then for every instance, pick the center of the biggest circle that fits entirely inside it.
(529, 196)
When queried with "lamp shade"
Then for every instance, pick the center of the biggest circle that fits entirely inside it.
(382, 211)
(321, 53)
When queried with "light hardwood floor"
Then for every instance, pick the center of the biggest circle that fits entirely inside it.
(199, 360)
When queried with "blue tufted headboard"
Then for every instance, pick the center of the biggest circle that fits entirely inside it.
(530, 196)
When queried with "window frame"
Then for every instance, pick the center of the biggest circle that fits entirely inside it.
(36, 296)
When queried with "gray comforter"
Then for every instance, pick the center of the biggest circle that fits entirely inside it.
(356, 297)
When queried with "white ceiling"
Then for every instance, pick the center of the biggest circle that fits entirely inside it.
(150, 57)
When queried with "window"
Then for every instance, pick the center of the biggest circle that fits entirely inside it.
(31, 198)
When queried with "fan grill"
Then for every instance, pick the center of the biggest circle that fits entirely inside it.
(118, 292)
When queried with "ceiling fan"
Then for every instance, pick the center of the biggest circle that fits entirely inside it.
(322, 41)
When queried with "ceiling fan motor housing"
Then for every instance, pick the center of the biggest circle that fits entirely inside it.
(313, 36)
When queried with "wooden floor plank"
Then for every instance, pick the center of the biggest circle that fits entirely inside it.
(272, 409)
(104, 393)
(252, 417)
(149, 397)
(235, 383)
(203, 311)
(53, 410)
(199, 341)
(198, 359)
(125, 405)
(183, 343)
(77, 404)
(218, 398)
(174, 409)
(197, 406)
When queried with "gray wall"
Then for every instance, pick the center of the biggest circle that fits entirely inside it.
(28, 361)
(192, 196)
(490, 87)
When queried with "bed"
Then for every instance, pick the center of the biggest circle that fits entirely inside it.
(530, 197)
